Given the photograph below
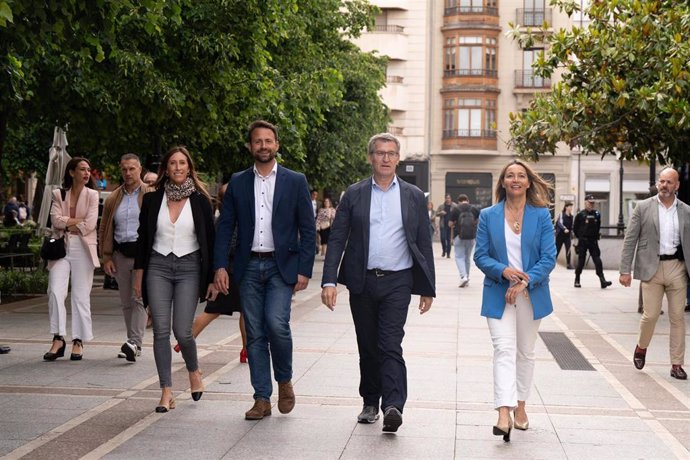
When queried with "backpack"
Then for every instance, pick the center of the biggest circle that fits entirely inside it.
(466, 224)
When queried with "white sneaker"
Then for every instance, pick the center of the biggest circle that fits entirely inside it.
(464, 282)
(130, 351)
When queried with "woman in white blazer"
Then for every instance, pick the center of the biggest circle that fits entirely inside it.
(75, 218)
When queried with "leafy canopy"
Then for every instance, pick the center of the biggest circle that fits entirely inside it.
(624, 86)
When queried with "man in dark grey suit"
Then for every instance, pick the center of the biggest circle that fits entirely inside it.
(382, 226)
(658, 239)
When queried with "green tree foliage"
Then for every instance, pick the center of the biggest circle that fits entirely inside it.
(141, 76)
(624, 87)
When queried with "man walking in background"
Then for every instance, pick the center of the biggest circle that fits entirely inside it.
(463, 222)
(382, 227)
(118, 242)
(658, 237)
(587, 227)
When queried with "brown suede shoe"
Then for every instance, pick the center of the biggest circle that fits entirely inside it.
(286, 398)
(261, 409)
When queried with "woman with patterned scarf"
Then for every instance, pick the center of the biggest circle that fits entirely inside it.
(172, 264)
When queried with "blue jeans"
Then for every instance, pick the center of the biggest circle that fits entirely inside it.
(463, 255)
(172, 284)
(266, 309)
(445, 237)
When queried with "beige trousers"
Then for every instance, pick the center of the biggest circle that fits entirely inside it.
(671, 278)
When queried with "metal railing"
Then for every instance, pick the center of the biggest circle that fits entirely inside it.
(394, 79)
(470, 73)
(533, 18)
(483, 133)
(388, 28)
(458, 10)
(528, 79)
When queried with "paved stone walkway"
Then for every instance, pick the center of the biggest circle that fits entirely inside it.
(102, 407)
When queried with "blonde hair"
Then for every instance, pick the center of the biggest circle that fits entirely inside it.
(163, 177)
(538, 192)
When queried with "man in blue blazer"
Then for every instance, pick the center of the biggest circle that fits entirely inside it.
(271, 208)
(382, 226)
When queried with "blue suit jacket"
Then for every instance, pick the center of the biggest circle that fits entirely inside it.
(350, 235)
(294, 231)
(538, 258)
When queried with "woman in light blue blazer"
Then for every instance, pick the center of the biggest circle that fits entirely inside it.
(516, 251)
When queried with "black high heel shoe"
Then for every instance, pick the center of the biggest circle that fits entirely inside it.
(196, 393)
(77, 356)
(50, 356)
(498, 431)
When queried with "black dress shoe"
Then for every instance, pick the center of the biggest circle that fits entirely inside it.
(605, 284)
(677, 372)
(392, 419)
(639, 357)
(369, 414)
(577, 283)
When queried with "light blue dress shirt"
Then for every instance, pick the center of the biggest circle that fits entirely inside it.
(126, 217)
(388, 248)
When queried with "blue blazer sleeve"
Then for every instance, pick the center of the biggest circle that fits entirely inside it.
(483, 255)
(546, 251)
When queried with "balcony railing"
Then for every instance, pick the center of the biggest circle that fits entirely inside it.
(394, 79)
(528, 79)
(458, 10)
(486, 133)
(388, 28)
(533, 18)
(470, 73)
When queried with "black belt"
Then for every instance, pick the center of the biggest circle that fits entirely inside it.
(379, 273)
(128, 249)
(669, 256)
(264, 255)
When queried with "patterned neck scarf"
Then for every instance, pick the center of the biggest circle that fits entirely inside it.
(179, 192)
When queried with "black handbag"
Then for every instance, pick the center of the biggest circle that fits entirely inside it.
(53, 248)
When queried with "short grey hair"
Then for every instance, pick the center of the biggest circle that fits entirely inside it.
(130, 156)
(386, 137)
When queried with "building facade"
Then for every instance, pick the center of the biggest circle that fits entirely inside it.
(453, 78)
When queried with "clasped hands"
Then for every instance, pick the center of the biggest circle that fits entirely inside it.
(519, 280)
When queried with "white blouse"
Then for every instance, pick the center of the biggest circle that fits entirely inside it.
(514, 247)
(179, 237)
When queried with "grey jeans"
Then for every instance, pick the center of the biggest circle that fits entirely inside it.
(172, 284)
(132, 306)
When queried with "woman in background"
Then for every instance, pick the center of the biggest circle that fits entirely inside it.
(324, 220)
(75, 217)
(516, 289)
(174, 252)
(564, 232)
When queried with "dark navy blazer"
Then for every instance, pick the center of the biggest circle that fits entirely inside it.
(350, 234)
(294, 230)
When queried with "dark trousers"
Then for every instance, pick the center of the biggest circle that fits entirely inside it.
(592, 246)
(445, 232)
(379, 314)
(561, 239)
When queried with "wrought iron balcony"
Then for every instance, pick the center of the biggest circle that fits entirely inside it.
(388, 28)
(532, 17)
(470, 73)
(460, 10)
(528, 79)
(485, 133)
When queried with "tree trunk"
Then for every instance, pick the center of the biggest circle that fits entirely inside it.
(3, 137)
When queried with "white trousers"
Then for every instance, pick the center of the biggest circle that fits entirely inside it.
(78, 268)
(513, 337)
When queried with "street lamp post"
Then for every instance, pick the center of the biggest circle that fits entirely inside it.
(621, 223)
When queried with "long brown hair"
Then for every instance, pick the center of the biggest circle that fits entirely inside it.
(68, 181)
(538, 191)
(163, 168)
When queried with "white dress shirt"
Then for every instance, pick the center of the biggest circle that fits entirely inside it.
(264, 187)
(669, 230)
